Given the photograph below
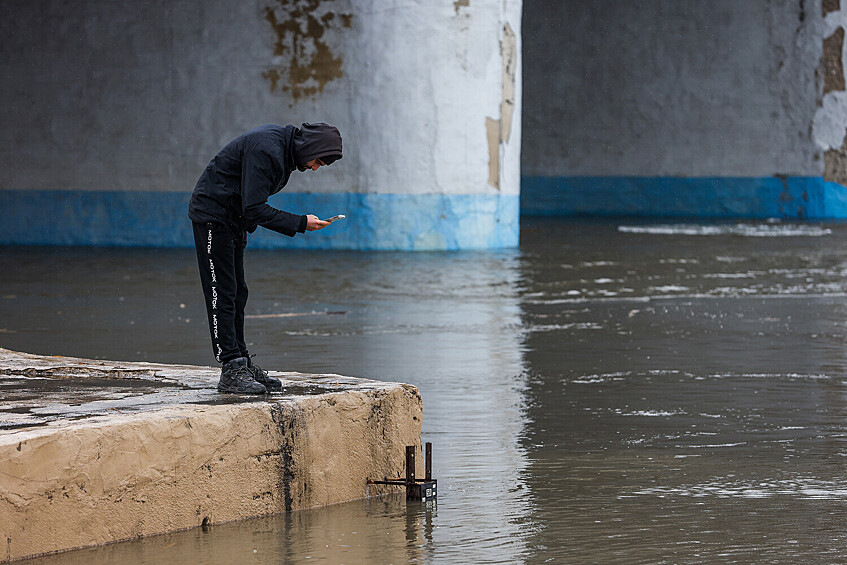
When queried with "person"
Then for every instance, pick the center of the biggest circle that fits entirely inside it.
(230, 200)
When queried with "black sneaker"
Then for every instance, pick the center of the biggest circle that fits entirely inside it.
(261, 376)
(236, 377)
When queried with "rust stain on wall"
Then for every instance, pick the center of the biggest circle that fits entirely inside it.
(309, 63)
(788, 204)
(833, 66)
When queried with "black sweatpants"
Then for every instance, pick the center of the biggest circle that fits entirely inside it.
(220, 256)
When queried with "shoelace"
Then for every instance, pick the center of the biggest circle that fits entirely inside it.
(243, 373)
(259, 373)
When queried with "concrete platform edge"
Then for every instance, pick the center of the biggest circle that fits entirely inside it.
(116, 477)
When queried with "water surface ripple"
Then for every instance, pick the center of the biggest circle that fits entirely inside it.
(613, 391)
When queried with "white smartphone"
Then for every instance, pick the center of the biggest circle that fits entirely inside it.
(338, 217)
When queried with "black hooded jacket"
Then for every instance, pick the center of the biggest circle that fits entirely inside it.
(235, 186)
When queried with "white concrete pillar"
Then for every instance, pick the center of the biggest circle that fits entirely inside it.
(428, 102)
(111, 111)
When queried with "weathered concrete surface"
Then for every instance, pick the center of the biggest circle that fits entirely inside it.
(98, 451)
(673, 88)
(120, 105)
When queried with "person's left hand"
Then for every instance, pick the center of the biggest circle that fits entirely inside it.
(314, 223)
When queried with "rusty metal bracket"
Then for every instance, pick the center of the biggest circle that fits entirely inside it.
(416, 489)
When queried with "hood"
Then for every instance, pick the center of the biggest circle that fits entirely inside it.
(316, 141)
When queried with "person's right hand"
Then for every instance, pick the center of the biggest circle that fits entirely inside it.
(314, 223)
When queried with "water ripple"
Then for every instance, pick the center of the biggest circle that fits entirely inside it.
(745, 230)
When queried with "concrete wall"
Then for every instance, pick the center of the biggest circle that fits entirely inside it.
(660, 107)
(110, 111)
(682, 107)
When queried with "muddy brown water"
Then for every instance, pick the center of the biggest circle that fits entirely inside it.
(612, 391)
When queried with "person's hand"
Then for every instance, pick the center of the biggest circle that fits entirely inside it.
(314, 223)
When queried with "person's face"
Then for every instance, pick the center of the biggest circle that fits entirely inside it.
(314, 164)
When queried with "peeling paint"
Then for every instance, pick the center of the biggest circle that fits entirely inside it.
(492, 129)
(832, 63)
(835, 164)
(509, 52)
(499, 131)
(461, 4)
(309, 63)
(830, 122)
(828, 6)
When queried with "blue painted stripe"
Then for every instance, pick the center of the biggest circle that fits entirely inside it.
(374, 221)
(705, 197)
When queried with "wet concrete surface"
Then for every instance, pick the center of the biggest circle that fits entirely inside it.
(37, 390)
(138, 449)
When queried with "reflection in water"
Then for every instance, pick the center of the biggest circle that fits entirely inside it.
(381, 530)
(448, 323)
(614, 392)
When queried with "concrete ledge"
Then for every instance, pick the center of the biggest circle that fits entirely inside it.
(93, 452)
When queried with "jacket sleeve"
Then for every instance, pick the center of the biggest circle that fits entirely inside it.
(257, 174)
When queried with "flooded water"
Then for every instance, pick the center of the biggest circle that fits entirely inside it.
(613, 391)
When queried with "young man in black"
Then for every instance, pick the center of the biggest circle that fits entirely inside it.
(229, 200)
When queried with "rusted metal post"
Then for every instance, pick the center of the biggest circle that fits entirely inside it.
(428, 460)
(410, 470)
